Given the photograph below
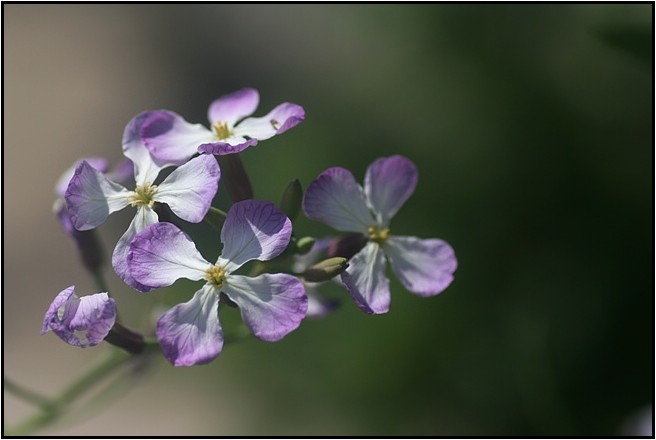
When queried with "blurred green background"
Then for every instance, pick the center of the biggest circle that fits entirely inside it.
(531, 126)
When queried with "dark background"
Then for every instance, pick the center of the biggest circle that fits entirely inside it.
(531, 126)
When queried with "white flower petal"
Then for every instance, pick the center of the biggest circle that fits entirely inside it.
(366, 281)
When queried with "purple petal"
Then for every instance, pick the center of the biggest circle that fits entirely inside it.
(81, 322)
(190, 188)
(170, 138)
(366, 281)
(145, 167)
(318, 306)
(254, 230)
(277, 121)
(388, 184)
(271, 305)
(162, 254)
(99, 163)
(190, 333)
(123, 173)
(335, 198)
(425, 267)
(234, 106)
(143, 218)
(223, 148)
(91, 197)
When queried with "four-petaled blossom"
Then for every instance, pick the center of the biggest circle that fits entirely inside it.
(271, 305)
(188, 191)
(82, 322)
(424, 267)
(170, 137)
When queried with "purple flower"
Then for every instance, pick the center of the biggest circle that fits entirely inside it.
(271, 305)
(169, 137)
(82, 322)
(424, 267)
(188, 191)
(318, 306)
(87, 243)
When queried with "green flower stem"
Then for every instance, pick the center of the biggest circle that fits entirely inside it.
(53, 409)
(23, 393)
(234, 175)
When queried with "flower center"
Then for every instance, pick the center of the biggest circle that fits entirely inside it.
(377, 234)
(143, 195)
(215, 275)
(221, 130)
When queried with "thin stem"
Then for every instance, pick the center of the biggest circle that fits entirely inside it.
(23, 393)
(99, 279)
(53, 409)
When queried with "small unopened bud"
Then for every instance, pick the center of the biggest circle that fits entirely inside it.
(290, 202)
(304, 245)
(325, 270)
(235, 177)
(215, 217)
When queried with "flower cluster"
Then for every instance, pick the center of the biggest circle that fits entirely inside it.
(172, 169)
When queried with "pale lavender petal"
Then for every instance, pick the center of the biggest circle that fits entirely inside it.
(318, 306)
(91, 197)
(145, 167)
(170, 138)
(99, 163)
(143, 218)
(335, 198)
(234, 106)
(254, 230)
(277, 121)
(190, 188)
(425, 267)
(388, 184)
(223, 148)
(366, 281)
(162, 254)
(123, 173)
(81, 322)
(51, 314)
(87, 241)
(271, 305)
(190, 333)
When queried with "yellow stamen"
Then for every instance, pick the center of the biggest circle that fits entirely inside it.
(378, 235)
(215, 275)
(143, 195)
(221, 130)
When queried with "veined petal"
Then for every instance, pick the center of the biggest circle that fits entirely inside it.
(277, 121)
(170, 138)
(145, 167)
(271, 305)
(425, 267)
(234, 106)
(366, 281)
(91, 197)
(254, 230)
(335, 198)
(190, 188)
(235, 145)
(162, 254)
(388, 184)
(81, 322)
(99, 163)
(190, 333)
(142, 219)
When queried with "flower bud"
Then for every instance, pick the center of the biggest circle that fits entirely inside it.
(347, 246)
(304, 245)
(325, 270)
(235, 177)
(290, 202)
